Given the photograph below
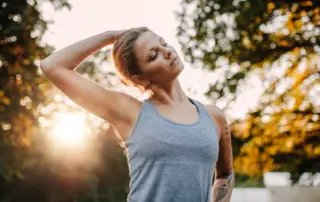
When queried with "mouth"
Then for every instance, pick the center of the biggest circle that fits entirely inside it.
(173, 61)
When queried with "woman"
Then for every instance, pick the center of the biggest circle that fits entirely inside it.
(174, 143)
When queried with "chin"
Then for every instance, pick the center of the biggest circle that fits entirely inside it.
(178, 70)
(181, 66)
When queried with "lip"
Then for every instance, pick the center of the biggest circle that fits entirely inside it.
(173, 61)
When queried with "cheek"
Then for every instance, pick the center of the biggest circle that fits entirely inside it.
(155, 68)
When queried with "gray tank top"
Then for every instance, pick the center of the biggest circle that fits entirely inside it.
(171, 162)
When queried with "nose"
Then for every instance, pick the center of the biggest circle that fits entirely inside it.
(167, 53)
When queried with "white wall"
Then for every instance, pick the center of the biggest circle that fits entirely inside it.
(276, 194)
(294, 194)
(251, 195)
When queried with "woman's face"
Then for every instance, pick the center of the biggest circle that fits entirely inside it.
(158, 61)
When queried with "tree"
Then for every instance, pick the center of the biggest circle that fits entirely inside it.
(277, 42)
(25, 166)
(22, 89)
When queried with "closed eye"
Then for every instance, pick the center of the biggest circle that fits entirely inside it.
(153, 56)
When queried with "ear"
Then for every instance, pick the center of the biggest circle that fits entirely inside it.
(139, 80)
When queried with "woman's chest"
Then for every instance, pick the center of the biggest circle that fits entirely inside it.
(179, 114)
(166, 142)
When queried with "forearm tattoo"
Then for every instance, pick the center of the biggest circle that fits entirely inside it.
(222, 190)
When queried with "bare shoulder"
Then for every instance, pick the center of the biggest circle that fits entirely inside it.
(216, 113)
(217, 116)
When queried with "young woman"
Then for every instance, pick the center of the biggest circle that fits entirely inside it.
(174, 143)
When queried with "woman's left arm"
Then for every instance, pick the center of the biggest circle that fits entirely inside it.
(224, 175)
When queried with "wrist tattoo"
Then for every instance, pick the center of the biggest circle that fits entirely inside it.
(220, 193)
(223, 191)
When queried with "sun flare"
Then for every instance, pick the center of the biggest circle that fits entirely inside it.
(68, 129)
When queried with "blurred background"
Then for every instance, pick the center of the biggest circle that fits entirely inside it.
(258, 60)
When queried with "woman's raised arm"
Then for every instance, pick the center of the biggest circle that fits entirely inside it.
(117, 108)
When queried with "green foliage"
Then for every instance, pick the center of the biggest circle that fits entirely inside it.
(277, 42)
(22, 89)
(26, 164)
(243, 181)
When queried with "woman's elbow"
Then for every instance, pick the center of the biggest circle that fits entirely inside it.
(45, 65)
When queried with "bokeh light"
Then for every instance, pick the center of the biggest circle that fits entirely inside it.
(69, 130)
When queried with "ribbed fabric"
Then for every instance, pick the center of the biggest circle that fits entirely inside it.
(171, 162)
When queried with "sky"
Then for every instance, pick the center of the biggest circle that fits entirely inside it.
(85, 20)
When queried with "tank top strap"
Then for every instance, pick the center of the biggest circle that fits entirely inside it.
(204, 114)
(202, 111)
(148, 107)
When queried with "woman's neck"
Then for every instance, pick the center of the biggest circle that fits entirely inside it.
(171, 94)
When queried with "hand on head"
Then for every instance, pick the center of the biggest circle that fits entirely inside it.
(119, 33)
